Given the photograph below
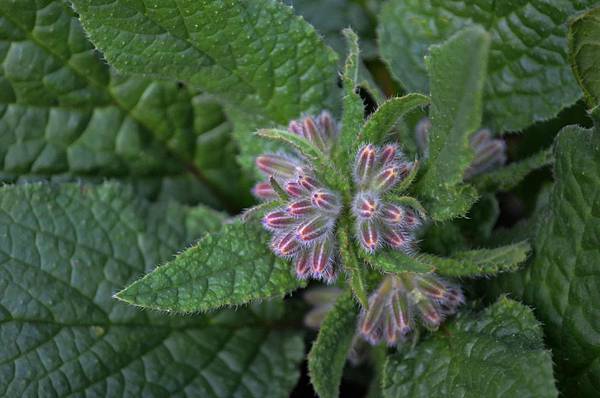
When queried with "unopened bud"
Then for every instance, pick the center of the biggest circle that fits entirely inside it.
(328, 125)
(411, 219)
(397, 239)
(276, 165)
(392, 214)
(302, 264)
(365, 162)
(368, 235)
(285, 245)
(264, 191)
(301, 207)
(430, 315)
(366, 206)
(389, 154)
(386, 178)
(325, 200)
(313, 229)
(429, 286)
(322, 255)
(307, 182)
(278, 219)
(312, 133)
(294, 189)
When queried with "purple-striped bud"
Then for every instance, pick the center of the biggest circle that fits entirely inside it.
(386, 178)
(404, 169)
(325, 200)
(296, 128)
(307, 182)
(392, 214)
(278, 219)
(366, 206)
(372, 317)
(411, 219)
(401, 313)
(301, 207)
(364, 164)
(322, 255)
(294, 189)
(302, 264)
(395, 238)
(328, 275)
(276, 165)
(389, 154)
(368, 235)
(429, 314)
(285, 245)
(314, 228)
(327, 125)
(313, 133)
(489, 154)
(429, 286)
(264, 191)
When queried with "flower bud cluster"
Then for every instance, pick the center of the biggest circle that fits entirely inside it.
(303, 229)
(378, 222)
(490, 153)
(401, 301)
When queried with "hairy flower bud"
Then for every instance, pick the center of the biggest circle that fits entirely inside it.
(264, 191)
(365, 163)
(276, 165)
(312, 229)
(278, 219)
(366, 205)
(325, 200)
(321, 131)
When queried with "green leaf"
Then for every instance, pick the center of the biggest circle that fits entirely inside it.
(584, 53)
(457, 69)
(510, 176)
(256, 55)
(64, 251)
(496, 353)
(353, 106)
(387, 115)
(529, 78)
(231, 267)
(301, 144)
(469, 263)
(329, 352)
(562, 280)
(356, 272)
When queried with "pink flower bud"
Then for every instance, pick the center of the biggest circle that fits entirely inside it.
(404, 169)
(264, 191)
(369, 236)
(325, 200)
(322, 255)
(429, 286)
(366, 206)
(411, 219)
(285, 245)
(328, 275)
(373, 315)
(296, 128)
(365, 162)
(294, 189)
(389, 154)
(302, 264)
(395, 238)
(313, 133)
(307, 182)
(430, 315)
(313, 229)
(327, 125)
(401, 313)
(276, 165)
(392, 214)
(301, 207)
(278, 219)
(386, 178)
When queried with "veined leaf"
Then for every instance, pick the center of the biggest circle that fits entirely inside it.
(479, 355)
(231, 267)
(64, 251)
(584, 52)
(457, 69)
(255, 55)
(328, 354)
(561, 282)
(529, 78)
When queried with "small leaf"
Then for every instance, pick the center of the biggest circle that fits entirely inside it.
(489, 354)
(471, 263)
(232, 267)
(356, 271)
(353, 107)
(387, 115)
(301, 144)
(584, 53)
(329, 352)
(510, 176)
(457, 69)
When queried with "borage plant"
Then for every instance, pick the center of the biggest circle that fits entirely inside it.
(396, 215)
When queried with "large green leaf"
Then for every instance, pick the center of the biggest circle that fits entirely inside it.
(64, 111)
(256, 55)
(529, 78)
(584, 51)
(562, 281)
(457, 69)
(496, 353)
(231, 267)
(64, 251)
(328, 354)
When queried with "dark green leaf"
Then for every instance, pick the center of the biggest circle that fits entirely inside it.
(497, 353)
(231, 267)
(64, 252)
(329, 352)
(529, 75)
(584, 52)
